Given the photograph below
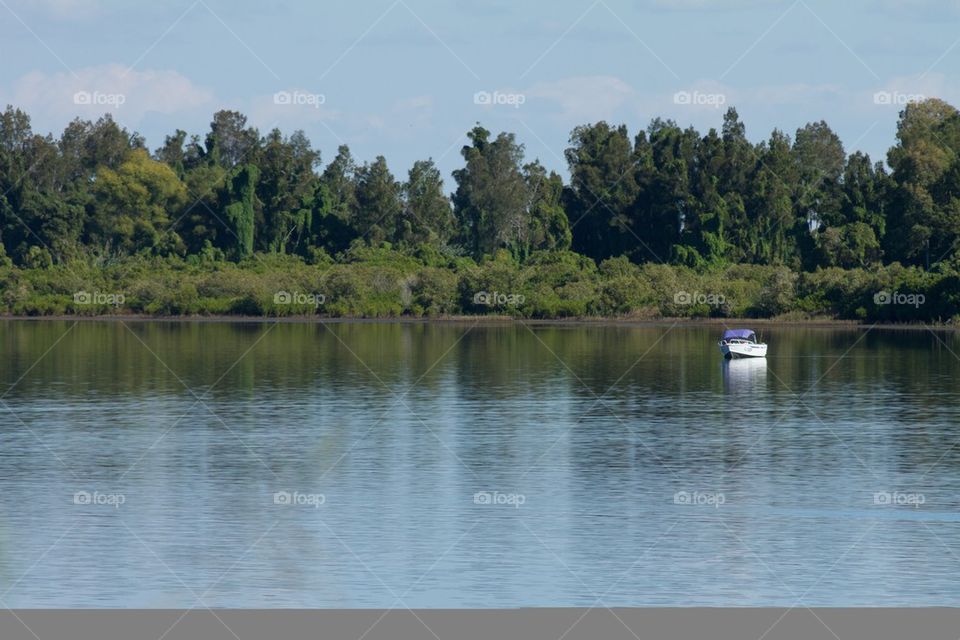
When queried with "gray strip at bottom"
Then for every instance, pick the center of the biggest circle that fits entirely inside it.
(522, 624)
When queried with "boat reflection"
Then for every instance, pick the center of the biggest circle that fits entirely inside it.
(744, 375)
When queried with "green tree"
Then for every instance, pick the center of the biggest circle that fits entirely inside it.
(377, 205)
(852, 237)
(133, 204)
(774, 232)
(427, 216)
(491, 198)
(665, 201)
(923, 220)
(286, 190)
(334, 203)
(39, 207)
(740, 156)
(549, 228)
(230, 141)
(241, 210)
(705, 220)
(603, 188)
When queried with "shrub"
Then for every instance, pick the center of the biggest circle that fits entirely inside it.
(434, 292)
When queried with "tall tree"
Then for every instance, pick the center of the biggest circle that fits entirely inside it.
(286, 190)
(41, 211)
(427, 216)
(133, 205)
(240, 211)
(334, 202)
(491, 198)
(705, 221)
(549, 227)
(923, 220)
(230, 141)
(740, 155)
(772, 227)
(665, 200)
(603, 188)
(852, 237)
(378, 205)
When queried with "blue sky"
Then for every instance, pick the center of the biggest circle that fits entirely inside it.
(402, 77)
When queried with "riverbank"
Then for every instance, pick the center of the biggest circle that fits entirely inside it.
(388, 284)
(489, 320)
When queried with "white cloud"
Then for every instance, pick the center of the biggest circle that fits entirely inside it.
(789, 95)
(708, 96)
(328, 118)
(54, 99)
(291, 108)
(415, 113)
(579, 100)
(583, 98)
(898, 91)
(591, 98)
(407, 119)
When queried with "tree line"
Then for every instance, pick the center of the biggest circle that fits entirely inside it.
(666, 194)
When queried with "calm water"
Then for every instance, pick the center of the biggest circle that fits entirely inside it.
(624, 466)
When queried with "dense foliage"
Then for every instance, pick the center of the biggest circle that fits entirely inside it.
(221, 223)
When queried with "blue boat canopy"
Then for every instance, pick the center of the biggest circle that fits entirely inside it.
(745, 334)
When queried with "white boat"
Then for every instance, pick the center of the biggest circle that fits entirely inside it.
(741, 343)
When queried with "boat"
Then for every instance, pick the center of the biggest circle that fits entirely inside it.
(741, 343)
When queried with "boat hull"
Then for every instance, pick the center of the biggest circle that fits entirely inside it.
(743, 350)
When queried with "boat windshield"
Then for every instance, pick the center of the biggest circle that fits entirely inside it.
(739, 334)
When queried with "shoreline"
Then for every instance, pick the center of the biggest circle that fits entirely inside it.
(811, 323)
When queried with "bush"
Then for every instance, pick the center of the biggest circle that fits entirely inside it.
(483, 283)
(434, 292)
(383, 282)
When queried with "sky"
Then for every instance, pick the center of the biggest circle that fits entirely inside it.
(408, 78)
